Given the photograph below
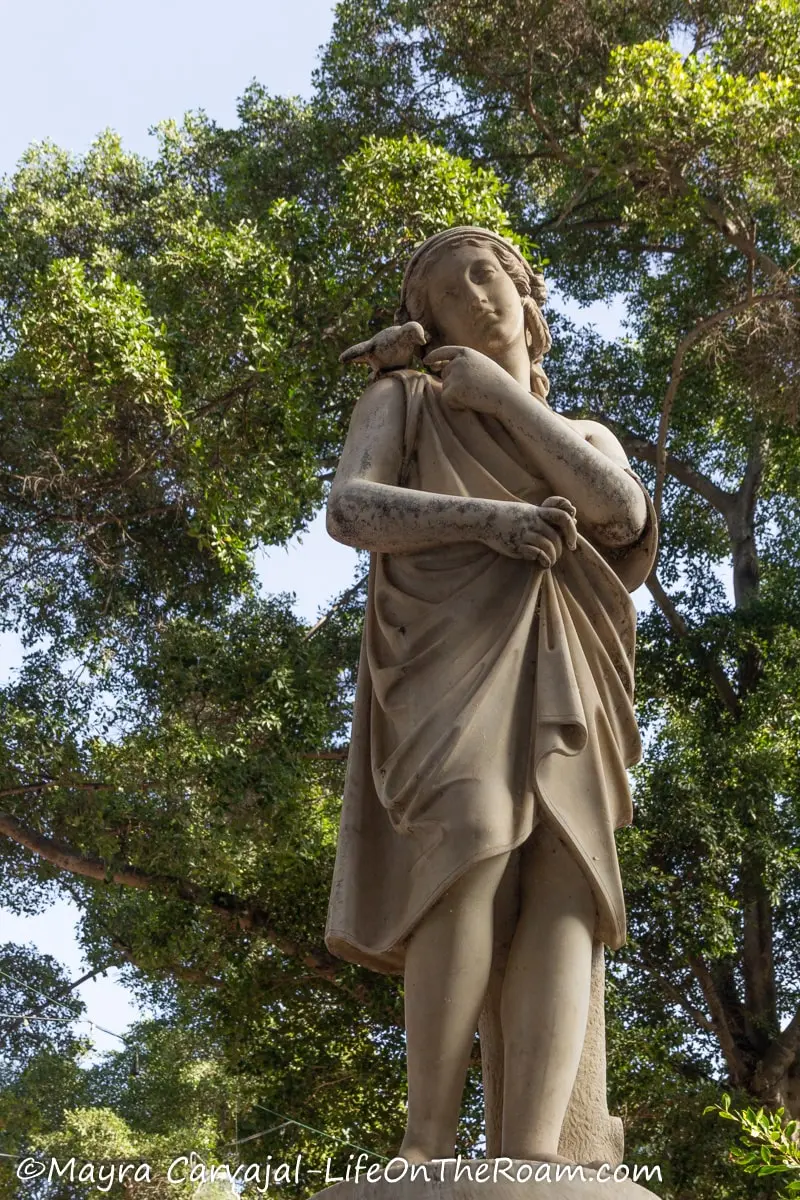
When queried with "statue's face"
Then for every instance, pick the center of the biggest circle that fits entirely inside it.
(473, 302)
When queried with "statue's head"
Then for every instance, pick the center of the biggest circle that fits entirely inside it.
(470, 287)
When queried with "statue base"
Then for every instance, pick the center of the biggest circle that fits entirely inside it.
(489, 1179)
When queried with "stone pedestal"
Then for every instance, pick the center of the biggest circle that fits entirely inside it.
(487, 1179)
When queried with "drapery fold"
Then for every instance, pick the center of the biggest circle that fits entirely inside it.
(491, 693)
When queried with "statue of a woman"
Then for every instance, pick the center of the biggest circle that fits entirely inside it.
(493, 722)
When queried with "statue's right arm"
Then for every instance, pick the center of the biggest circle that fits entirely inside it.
(369, 510)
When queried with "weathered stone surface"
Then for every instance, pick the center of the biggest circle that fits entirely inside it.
(494, 721)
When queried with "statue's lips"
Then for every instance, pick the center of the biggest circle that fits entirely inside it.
(486, 314)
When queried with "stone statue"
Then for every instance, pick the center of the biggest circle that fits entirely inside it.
(493, 722)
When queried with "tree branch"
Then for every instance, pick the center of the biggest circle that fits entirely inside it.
(778, 1058)
(741, 529)
(679, 998)
(343, 600)
(733, 1058)
(84, 785)
(126, 953)
(555, 146)
(179, 970)
(574, 201)
(679, 626)
(701, 326)
(229, 908)
(758, 959)
(691, 477)
(737, 237)
(713, 212)
(236, 392)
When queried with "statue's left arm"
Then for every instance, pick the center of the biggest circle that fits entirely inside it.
(580, 460)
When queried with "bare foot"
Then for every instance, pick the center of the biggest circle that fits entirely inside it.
(414, 1154)
(542, 1156)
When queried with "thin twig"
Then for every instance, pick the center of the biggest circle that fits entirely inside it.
(700, 327)
(679, 626)
(343, 600)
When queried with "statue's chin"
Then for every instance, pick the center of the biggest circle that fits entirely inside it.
(495, 337)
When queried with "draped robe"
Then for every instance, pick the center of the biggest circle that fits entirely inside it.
(492, 693)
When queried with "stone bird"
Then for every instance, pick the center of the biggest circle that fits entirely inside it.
(390, 349)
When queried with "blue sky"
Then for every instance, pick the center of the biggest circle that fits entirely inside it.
(74, 69)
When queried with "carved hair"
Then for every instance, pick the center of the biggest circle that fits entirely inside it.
(414, 305)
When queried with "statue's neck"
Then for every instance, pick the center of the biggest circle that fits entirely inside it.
(516, 361)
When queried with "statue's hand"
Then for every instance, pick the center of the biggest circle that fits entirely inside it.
(537, 532)
(470, 379)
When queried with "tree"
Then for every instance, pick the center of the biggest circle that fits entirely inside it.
(653, 152)
(170, 383)
(40, 1054)
(767, 1145)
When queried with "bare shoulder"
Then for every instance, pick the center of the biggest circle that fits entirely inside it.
(601, 437)
(381, 402)
(373, 448)
(384, 388)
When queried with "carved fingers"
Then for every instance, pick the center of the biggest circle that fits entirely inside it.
(535, 532)
(544, 551)
(443, 357)
(470, 379)
(561, 513)
(560, 502)
(549, 527)
(455, 381)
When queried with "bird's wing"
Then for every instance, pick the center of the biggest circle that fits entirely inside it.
(357, 353)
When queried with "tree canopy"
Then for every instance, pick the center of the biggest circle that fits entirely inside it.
(171, 399)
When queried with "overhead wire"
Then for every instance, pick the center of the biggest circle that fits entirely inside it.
(53, 1000)
(285, 1121)
(320, 1132)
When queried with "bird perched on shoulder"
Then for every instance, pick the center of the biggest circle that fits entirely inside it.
(391, 349)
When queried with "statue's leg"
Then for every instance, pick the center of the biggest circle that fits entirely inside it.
(490, 1029)
(589, 1133)
(545, 1000)
(448, 960)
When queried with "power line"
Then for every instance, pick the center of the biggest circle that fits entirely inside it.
(53, 1000)
(34, 991)
(320, 1132)
(27, 1017)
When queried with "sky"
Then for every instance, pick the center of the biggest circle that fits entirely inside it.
(73, 69)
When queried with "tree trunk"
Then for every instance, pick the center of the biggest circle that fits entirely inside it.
(775, 1075)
